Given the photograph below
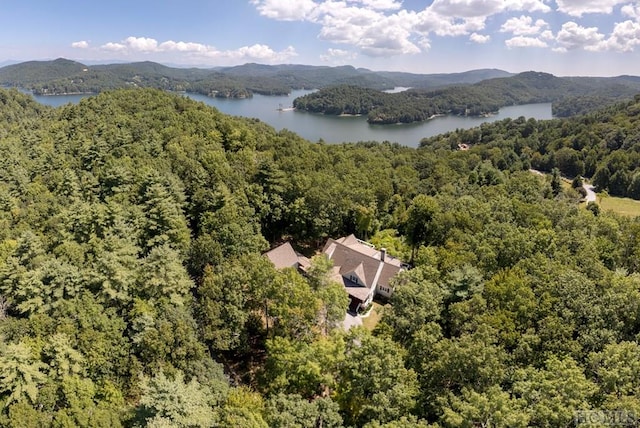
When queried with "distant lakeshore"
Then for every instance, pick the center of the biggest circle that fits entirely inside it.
(336, 129)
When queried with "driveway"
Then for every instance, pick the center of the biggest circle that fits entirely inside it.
(591, 194)
(351, 320)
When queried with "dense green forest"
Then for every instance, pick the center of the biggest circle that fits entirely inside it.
(603, 146)
(63, 76)
(481, 98)
(133, 291)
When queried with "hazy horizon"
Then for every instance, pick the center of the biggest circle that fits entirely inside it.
(561, 37)
(205, 67)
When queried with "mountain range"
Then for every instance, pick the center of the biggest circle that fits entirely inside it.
(62, 76)
(475, 91)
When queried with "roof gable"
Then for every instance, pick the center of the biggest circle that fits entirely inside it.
(283, 256)
(358, 273)
(354, 257)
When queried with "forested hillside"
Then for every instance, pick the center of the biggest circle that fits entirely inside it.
(63, 76)
(133, 291)
(602, 145)
(574, 95)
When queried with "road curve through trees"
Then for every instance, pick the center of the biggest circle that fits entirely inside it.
(591, 194)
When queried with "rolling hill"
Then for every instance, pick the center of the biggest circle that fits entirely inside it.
(65, 76)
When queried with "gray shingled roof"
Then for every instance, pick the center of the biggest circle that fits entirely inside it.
(283, 256)
(352, 256)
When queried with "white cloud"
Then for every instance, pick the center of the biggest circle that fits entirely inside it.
(390, 44)
(630, 10)
(344, 24)
(256, 52)
(525, 42)
(425, 43)
(431, 22)
(142, 44)
(388, 36)
(625, 36)
(338, 56)
(547, 35)
(573, 36)
(523, 26)
(485, 8)
(580, 7)
(479, 38)
(285, 10)
(380, 4)
(132, 44)
(527, 5)
(340, 53)
(373, 32)
(388, 27)
(383, 27)
(467, 8)
(82, 44)
(115, 47)
(170, 45)
(464, 17)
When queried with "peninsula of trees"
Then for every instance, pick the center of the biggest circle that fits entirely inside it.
(569, 95)
(133, 291)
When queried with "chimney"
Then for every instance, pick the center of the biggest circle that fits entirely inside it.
(383, 254)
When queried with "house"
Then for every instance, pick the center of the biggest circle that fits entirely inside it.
(285, 256)
(364, 271)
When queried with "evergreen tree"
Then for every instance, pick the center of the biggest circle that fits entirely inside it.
(21, 373)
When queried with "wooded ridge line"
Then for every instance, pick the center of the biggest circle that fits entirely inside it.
(66, 76)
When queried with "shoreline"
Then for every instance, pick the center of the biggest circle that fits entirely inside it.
(62, 94)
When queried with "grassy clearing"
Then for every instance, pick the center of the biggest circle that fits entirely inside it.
(566, 184)
(374, 317)
(623, 206)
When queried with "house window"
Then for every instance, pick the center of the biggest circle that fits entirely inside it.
(353, 278)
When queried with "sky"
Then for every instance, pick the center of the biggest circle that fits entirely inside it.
(562, 37)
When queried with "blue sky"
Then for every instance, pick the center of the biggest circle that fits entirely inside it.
(563, 37)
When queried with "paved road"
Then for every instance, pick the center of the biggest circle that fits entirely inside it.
(591, 194)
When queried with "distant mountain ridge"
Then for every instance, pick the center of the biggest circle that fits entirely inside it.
(444, 79)
(36, 71)
(62, 76)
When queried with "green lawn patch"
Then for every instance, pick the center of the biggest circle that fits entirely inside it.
(623, 206)
(369, 322)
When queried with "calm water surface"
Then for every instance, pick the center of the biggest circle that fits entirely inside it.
(337, 129)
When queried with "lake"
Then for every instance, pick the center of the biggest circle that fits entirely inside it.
(337, 129)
